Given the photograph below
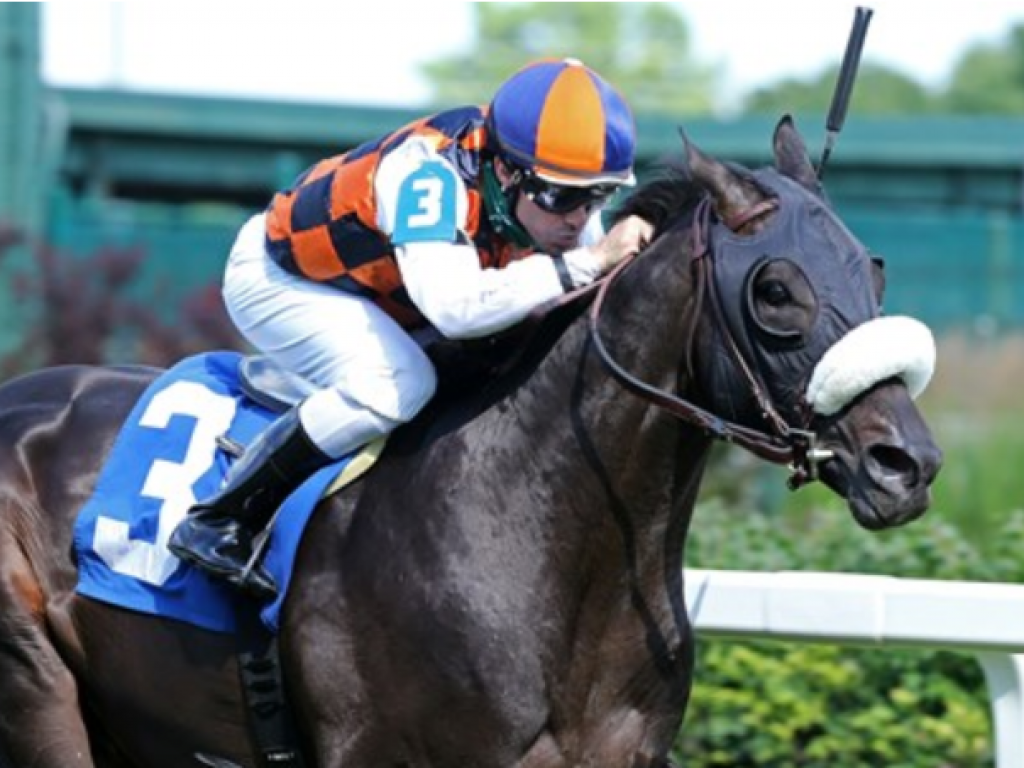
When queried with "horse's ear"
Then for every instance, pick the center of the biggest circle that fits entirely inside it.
(731, 193)
(791, 158)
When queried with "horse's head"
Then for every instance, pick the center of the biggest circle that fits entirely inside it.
(790, 344)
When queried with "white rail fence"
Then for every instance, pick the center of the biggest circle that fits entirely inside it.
(985, 620)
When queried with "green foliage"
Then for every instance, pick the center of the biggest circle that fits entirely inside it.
(769, 704)
(647, 51)
(644, 49)
(829, 540)
(990, 78)
(977, 499)
(880, 91)
(981, 488)
(813, 705)
(86, 312)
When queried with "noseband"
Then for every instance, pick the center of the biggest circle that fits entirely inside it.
(785, 444)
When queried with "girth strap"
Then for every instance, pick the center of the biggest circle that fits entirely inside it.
(270, 717)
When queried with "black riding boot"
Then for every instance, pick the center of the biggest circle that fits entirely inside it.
(217, 534)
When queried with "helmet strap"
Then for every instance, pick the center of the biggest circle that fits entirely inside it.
(499, 204)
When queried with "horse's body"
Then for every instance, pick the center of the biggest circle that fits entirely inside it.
(505, 587)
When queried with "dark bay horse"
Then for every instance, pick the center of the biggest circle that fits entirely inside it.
(505, 587)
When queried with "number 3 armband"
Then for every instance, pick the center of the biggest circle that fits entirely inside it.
(427, 205)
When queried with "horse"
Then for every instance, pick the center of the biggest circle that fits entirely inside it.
(505, 586)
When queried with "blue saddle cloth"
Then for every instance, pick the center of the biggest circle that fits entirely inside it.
(164, 459)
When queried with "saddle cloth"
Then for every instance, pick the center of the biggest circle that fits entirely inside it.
(166, 457)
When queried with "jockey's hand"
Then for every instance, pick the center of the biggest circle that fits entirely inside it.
(627, 238)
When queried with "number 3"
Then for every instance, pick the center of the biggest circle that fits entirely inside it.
(167, 481)
(428, 202)
(427, 207)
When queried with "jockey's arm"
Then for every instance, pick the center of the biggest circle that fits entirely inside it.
(463, 300)
(441, 267)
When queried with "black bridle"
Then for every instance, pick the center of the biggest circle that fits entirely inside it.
(785, 444)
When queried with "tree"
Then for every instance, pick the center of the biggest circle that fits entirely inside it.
(879, 91)
(643, 48)
(90, 311)
(989, 79)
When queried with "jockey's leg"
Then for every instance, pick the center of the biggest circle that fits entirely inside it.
(217, 534)
(372, 377)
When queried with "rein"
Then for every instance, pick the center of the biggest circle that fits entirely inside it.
(785, 445)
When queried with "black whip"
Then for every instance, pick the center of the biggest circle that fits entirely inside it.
(844, 85)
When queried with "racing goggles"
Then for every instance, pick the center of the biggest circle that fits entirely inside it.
(560, 200)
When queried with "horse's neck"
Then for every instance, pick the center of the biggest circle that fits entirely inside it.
(562, 485)
(537, 526)
(618, 473)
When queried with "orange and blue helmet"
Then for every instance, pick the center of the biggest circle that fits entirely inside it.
(561, 122)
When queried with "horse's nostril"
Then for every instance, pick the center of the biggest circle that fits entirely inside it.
(895, 465)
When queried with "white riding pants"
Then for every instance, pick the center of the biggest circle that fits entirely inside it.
(372, 375)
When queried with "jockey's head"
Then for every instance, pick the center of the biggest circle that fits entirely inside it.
(560, 135)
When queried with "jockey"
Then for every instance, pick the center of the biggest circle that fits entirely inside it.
(465, 220)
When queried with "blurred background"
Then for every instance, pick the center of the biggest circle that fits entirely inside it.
(136, 138)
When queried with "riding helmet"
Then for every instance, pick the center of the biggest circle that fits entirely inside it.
(561, 121)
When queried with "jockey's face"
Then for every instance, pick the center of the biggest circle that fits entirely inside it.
(554, 233)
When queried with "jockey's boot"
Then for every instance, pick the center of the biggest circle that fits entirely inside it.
(217, 534)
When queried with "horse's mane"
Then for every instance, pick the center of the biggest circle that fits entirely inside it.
(668, 194)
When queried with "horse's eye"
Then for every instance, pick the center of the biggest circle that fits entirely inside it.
(780, 301)
(774, 293)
